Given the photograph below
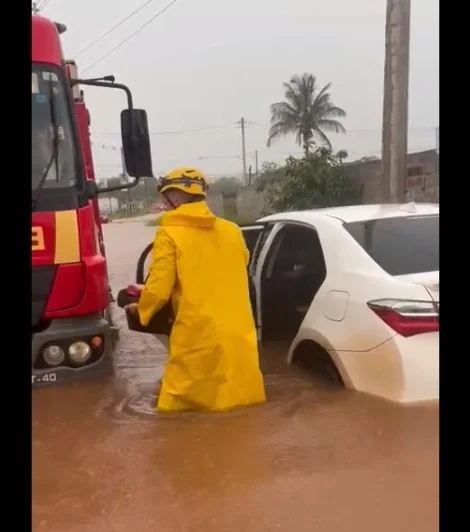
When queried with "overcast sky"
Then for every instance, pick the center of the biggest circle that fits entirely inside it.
(203, 64)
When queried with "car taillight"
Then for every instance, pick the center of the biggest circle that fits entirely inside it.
(407, 318)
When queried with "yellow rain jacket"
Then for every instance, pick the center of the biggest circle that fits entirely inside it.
(200, 262)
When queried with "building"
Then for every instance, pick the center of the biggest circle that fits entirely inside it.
(422, 182)
(108, 205)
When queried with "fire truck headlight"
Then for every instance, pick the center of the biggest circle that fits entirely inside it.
(79, 352)
(53, 355)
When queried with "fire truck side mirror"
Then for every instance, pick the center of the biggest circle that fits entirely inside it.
(136, 143)
(91, 189)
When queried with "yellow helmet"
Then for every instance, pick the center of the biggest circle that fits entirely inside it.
(187, 179)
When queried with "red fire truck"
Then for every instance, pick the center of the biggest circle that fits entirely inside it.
(72, 333)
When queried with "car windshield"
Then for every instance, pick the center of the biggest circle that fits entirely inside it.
(402, 245)
(50, 120)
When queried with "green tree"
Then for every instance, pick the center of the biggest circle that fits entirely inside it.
(225, 185)
(368, 159)
(306, 112)
(228, 188)
(269, 172)
(314, 181)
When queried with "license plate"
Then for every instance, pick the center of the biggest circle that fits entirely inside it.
(44, 378)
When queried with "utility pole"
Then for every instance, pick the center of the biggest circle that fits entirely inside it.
(147, 203)
(123, 163)
(256, 164)
(126, 177)
(242, 124)
(395, 101)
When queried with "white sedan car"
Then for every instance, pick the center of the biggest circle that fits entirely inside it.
(356, 291)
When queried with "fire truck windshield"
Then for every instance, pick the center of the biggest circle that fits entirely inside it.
(53, 146)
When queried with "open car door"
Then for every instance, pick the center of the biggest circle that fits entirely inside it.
(162, 322)
(251, 234)
(255, 237)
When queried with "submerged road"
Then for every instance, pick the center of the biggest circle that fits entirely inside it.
(314, 458)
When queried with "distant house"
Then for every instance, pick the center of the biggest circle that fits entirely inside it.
(108, 205)
(422, 181)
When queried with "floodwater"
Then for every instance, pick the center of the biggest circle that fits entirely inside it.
(312, 458)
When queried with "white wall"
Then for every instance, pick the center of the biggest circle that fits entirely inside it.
(108, 205)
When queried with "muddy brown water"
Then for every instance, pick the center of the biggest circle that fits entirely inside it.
(312, 458)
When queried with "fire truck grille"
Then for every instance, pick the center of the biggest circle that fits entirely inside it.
(42, 278)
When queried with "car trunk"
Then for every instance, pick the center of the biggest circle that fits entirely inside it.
(430, 280)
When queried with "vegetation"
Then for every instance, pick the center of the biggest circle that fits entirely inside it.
(225, 185)
(307, 112)
(269, 172)
(145, 192)
(240, 220)
(316, 180)
(368, 159)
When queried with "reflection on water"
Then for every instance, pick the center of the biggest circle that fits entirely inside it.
(312, 458)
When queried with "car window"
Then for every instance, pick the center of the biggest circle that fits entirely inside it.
(251, 237)
(402, 245)
(295, 248)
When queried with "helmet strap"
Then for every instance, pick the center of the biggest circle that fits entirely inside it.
(168, 200)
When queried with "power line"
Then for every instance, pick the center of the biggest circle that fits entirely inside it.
(354, 130)
(175, 132)
(44, 4)
(37, 7)
(149, 21)
(252, 154)
(194, 157)
(207, 128)
(106, 33)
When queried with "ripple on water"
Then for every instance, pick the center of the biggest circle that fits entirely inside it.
(137, 401)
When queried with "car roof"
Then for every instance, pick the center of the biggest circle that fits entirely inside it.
(357, 213)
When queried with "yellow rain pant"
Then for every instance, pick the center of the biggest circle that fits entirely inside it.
(200, 262)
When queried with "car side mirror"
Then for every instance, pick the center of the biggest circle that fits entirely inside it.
(136, 143)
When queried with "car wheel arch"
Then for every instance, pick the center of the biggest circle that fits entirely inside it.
(313, 351)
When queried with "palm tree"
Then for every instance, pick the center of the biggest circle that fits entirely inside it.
(307, 112)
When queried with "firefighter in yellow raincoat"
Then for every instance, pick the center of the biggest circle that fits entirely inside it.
(200, 263)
